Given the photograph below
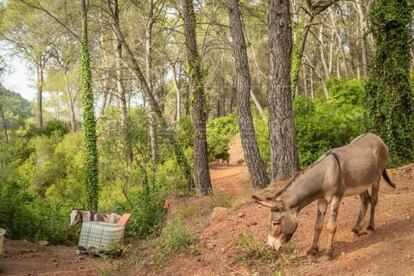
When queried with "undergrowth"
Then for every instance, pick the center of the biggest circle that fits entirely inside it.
(175, 238)
(254, 254)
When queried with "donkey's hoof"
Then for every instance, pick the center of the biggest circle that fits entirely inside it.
(313, 251)
(371, 228)
(330, 254)
(355, 232)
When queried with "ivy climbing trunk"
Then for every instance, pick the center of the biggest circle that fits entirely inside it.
(201, 171)
(251, 151)
(89, 122)
(284, 155)
(389, 97)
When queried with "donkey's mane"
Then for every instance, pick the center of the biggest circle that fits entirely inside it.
(297, 174)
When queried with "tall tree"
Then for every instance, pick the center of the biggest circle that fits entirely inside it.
(252, 155)
(89, 122)
(137, 71)
(201, 171)
(389, 97)
(122, 94)
(284, 155)
(148, 73)
(25, 28)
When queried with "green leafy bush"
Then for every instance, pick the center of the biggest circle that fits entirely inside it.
(219, 132)
(321, 124)
(148, 213)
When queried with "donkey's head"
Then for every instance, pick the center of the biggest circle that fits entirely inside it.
(75, 217)
(282, 221)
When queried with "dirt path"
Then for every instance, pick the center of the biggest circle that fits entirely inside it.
(26, 258)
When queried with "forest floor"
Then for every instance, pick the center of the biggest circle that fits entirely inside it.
(231, 241)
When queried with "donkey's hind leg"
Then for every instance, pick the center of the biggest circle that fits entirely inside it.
(373, 201)
(364, 197)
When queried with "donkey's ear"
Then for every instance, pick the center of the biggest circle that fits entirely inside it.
(267, 202)
(282, 202)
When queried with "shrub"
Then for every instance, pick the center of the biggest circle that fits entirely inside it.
(148, 213)
(175, 238)
(322, 125)
(219, 132)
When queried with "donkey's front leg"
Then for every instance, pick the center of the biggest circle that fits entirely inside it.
(320, 215)
(331, 226)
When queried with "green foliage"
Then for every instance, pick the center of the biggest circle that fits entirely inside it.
(262, 135)
(185, 132)
(16, 109)
(298, 31)
(219, 132)
(25, 216)
(253, 249)
(388, 99)
(175, 238)
(322, 125)
(148, 214)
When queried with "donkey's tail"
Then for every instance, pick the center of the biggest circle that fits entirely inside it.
(387, 179)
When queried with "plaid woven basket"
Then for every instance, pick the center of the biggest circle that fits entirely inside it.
(101, 235)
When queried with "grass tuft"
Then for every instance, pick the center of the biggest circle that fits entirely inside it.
(255, 253)
(175, 238)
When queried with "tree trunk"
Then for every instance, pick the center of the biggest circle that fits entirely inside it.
(106, 76)
(149, 96)
(148, 75)
(122, 94)
(39, 87)
(73, 126)
(364, 31)
(257, 103)
(299, 49)
(6, 136)
(251, 151)
(284, 154)
(89, 122)
(187, 98)
(201, 171)
(177, 96)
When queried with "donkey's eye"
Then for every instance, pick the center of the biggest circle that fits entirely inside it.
(274, 223)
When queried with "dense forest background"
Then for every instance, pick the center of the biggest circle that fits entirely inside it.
(135, 98)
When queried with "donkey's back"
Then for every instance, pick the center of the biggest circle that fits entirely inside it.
(362, 162)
